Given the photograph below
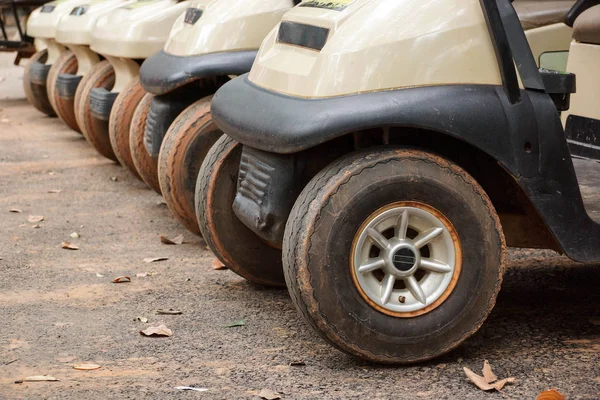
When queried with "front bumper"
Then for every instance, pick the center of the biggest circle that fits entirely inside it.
(162, 72)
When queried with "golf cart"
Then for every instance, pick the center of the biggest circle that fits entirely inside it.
(124, 37)
(213, 40)
(41, 26)
(74, 31)
(392, 150)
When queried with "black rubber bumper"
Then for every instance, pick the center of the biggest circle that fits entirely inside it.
(66, 85)
(162, 73)
(101, 102)
(38, 73)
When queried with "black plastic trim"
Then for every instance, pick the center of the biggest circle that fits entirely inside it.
(101, 102)
(48, 8)
(579, 8)
(66, 85)
(303, 35)
(38, 73)
(192, 15)
(80, 10)
(162, 73)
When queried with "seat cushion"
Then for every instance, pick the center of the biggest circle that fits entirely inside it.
(537, 13)
(587, 26)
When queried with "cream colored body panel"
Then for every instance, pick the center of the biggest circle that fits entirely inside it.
(550, 38)
(125, 70)
(86, 58)
(584, 60)
(137, 30)
(54, 48)
(226, 25)
(403, 43)
(77, 29)
(43, 25)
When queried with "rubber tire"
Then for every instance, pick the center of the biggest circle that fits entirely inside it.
(40, 103)
(182, 152)
(65, 64)
(240, 249)
(101, 75)
(146, 167)
(119, 124)
(318, 241)
(64, 110)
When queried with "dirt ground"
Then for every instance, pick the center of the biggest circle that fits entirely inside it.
(59, 307)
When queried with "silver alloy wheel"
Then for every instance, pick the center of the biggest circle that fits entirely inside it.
(405, 259)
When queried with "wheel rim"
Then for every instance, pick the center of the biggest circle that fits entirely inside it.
(406, 259)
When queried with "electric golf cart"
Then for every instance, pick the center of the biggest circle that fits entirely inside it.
(41, 26)
(124, 37)
(213, 40)
(74, 31)
(392, 150)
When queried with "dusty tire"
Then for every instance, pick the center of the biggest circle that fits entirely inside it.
(65, 108)
(37, 97)
(101, 75)
(240, 249)
(121, 117)
(146, 166)
(182, 152)
(65, 64)
(320, 244)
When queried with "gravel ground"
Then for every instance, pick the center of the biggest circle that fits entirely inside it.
(59, 307)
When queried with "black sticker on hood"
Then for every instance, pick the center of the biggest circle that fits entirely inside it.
(337, 5)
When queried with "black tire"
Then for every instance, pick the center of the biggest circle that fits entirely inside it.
(318, 244)
(240, 249)
(37, 94)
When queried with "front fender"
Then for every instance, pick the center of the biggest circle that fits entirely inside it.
(162, 73)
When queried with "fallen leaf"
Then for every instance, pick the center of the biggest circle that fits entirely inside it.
(142, 319)
(241, 322)
(35, 218)
(160, 330)
(36, 226)
(191, 388)
(161, 203)
(40, 378)
(66, 359)
(145, 274)
(69, 246)
(168, 312)
(297, 364)
(217, 265)
(487, 372)
(54, 190)
(155, 259)
(114, 178)
(268, 394)
(551, 394)
(176, 240)
(122, 279)
(74, 235)
(99, 275)
(86, 367)
(15, 210)
(486, 382)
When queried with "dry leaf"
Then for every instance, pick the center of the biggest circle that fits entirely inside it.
(268, 394)
(297, 364)
(35, 218)
(155, 259)
(54, 190)
(160, 330)
(487, 372)
(99, 275)
(217, 265)
(114, 178)
(15, 210)
(74, 235)
(176, 240)
(122, 279)
(40, 378)
(69, 246)
(86, 367)
(191, 388)
(66, 359)
(241, 322)
(168, 312)
(552, 394)
(36, 226)
(142, 319)
(145, 274)
(487, 381)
